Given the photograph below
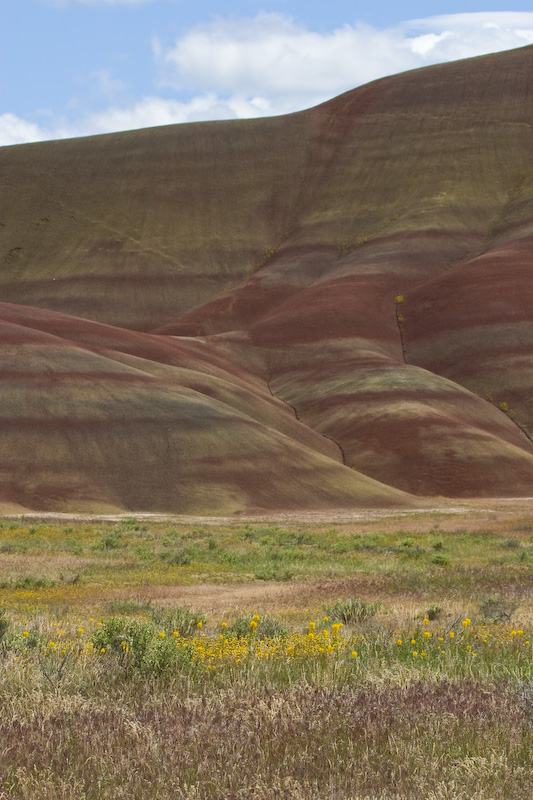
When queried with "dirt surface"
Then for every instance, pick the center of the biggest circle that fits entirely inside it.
(429, 507)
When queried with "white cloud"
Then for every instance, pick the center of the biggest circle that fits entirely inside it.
(272, 65)
(287, 65)
(14, 130)
(152, 111)
(290, 66)
(454, 36)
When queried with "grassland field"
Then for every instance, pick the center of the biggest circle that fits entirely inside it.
(385, 656)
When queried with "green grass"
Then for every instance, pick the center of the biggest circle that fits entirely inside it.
(131, 553)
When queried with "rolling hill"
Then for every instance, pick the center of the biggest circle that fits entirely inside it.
(330, 309)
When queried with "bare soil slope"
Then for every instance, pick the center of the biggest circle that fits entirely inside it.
(310, 311)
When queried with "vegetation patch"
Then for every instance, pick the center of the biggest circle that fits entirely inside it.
(372, 675)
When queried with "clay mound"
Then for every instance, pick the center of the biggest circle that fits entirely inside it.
(475, 326)
(300, 312)
(101, 427)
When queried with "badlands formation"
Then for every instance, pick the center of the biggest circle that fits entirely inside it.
(330, 309)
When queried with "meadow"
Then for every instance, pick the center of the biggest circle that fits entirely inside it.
(385, 657)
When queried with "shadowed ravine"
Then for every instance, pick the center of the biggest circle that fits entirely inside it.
(208, 318)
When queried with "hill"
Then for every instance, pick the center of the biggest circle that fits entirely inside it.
(327, 309)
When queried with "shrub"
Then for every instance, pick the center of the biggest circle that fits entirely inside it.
(498, 609)
(109, 541)
(129, 607)
(129, 638)
(433, 611)
(273, 572)
(441, 560)
(512, 544)
(266, 627)
(352, 610)
(179, 619)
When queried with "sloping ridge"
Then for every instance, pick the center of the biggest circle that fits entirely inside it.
(327, 309)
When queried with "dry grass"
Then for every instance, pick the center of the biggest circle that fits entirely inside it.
(425, 740)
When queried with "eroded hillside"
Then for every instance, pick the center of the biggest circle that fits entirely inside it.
(327, 309)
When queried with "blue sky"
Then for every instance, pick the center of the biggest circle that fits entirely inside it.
(79, 67)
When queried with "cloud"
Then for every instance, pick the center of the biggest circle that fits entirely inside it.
(285, 64)
(290, 67)
(270, 64)
(454, 36)
(152, 111)
(14, 130)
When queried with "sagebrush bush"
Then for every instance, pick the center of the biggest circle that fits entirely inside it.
(352, 610)
(434, 611)
(498, 609)
(130, 639)
(182, 620)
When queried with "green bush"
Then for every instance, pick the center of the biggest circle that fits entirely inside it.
(498, 609)
(433, 611)
(141, 645)
(267, 627)
(273, 572)
(109, 541)
(130, 639)
(128, 607)
(351, 610)
(179, 619)
(441, 560)
(17, 642)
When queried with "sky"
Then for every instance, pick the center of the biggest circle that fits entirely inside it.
(81, 67)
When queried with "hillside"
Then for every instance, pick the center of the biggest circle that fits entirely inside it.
(324, 310)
